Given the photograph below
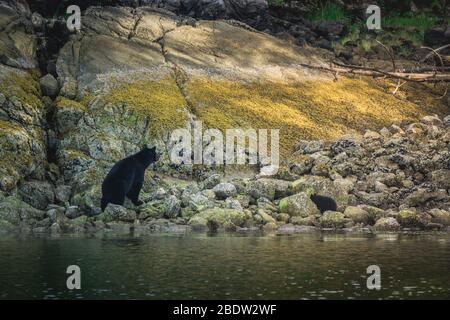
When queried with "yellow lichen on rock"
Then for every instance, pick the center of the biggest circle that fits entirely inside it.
(24, 87)
(8, 127)
(159, 100)
(62, 102)
(307, 110)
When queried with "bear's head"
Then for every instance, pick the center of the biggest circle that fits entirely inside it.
(313, 197)
(148, 155)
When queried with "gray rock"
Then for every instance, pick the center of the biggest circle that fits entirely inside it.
(39, 194)
(115, 212)
(233, 204)
(446, 121)
(63, 193)
(308, 147)
(268, 188)
(224, 190)
(73, 212)
(172, 207)
(211, 181)
(49, 86)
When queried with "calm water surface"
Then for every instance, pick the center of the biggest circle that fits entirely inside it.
(197, 266)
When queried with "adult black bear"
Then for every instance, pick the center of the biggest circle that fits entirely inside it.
(323, 203)
(126, 178)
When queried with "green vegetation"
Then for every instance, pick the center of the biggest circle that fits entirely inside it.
(330, 11)
(421, 22)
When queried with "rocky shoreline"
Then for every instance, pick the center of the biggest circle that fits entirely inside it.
(397, 179)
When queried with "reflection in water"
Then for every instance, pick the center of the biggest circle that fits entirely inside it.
(197, 266)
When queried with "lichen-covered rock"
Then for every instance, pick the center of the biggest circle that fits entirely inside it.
(268, 188)
(18, 212)
(357, 214)
(154, 209)
(172, 207)
(440, 216)
(441, 178)
(387, 224)
(224, 190)
(38, 194)
(221, 218)
(333, 219)
(73, 212)
(211, 181)
(411, 218)
(298, 205)
(49, 86)
(89, 200)
(304, 221)
(115, 212)
(265, 217)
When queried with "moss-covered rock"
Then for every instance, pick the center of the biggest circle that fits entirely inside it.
(387, 224)
(298, 205)
(114, 213)
(18, 212)
(440, 216)
(357, 215)
(228, 219)
(411, 218)
(333, 219)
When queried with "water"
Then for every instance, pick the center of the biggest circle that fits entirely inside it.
(198, 266)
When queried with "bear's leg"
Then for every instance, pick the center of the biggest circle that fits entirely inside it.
(133, 194)
(118, 195)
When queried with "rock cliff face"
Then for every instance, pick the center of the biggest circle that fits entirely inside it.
(132, 75)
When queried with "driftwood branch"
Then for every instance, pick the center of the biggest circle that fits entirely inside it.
(389, 52)
(337, 67)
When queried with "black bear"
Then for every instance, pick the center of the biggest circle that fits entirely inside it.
(126, 178)
(323, 203)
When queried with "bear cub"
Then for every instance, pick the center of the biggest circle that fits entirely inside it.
(126, 177)
(324, 203)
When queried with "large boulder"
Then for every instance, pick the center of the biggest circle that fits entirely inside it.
(224, 190)
(387, 224)
(333, 219)
(298, 205)
(39, 194)
(268, 188)
(357, 215)
(411, 218)
(49, 86)
(19, 213)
